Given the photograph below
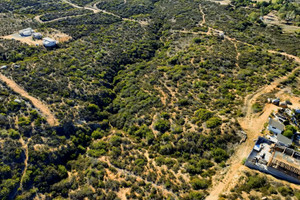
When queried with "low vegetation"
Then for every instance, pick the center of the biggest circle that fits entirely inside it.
(145, 109)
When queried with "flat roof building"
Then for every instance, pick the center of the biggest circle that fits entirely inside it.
(48, 42)
(37, 36)
(26, 32)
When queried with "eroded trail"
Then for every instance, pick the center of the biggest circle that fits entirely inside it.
(37, 103)
(203, 16)
(25, 147)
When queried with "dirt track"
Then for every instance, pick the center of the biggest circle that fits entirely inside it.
(37, 103)
(95, 9)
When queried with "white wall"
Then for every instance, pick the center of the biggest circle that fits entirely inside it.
(274, 130)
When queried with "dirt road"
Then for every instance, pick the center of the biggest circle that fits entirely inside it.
(38, 18)
(37, 103)
(95, 9)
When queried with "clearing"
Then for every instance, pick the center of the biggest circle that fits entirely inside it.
(52, 33)
(272, 19)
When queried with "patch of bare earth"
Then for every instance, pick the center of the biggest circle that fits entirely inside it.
(52, 33)
(272, 19)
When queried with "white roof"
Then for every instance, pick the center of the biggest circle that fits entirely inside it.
(49, 39)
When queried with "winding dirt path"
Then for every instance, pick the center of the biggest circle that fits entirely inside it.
(43, 108)
(95, 9)
(25, 147)
(203, 16)
(38, 18)
(238, 54)
(164, 96)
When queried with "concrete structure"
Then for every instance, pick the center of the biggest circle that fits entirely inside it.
(275, 126)
(48, 42)
(37, 36)
(26, 32)
(279, 161)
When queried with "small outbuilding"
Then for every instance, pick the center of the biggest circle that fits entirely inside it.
(275, 126)
(283, 104)
(276, 101)
(3, 67)
(37, 36)
(26, 32)
(48, 42)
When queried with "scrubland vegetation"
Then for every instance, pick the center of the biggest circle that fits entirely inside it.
(148, 111)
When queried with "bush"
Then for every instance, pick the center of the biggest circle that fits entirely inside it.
(203, 114)
(285, 191)
(257, 108)
(162, 125)
(197, 40)
(97, 134)
(199, 183)
(213, 122)
(288, 133)
(195, 196)
(220, 155)
(255, 182)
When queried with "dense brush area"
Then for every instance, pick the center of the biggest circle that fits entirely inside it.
(147, 95)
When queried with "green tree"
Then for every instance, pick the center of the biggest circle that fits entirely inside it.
(162, 125)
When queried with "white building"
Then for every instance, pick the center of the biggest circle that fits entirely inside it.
(48, 42)
(26, 32)
(275, 126)
(37, 36)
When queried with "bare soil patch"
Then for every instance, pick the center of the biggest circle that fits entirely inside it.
(272, 19)
(52, 33)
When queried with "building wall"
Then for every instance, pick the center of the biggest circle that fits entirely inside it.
(274, 130)
(272, 171)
